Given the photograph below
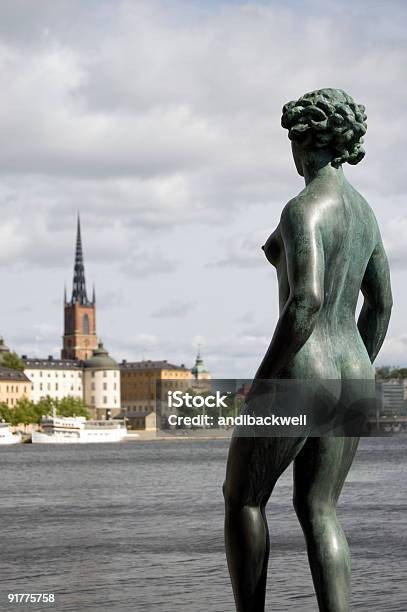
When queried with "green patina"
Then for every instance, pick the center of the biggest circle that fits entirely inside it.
(326, 249)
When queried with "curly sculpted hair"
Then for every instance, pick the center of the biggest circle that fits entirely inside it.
(327, 118)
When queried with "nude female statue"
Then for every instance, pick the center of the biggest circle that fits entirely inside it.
(326, 248)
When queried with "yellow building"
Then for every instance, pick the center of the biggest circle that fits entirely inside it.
(144, 387)
(14, 385)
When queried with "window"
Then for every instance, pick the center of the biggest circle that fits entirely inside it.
(49, 386)
(104, 386)
(93, 399)
(40, 386)
(93, 374)
(93, 386)
(105, 399)
(85, 324)
(104, 373)
(40, 373)
(114, 386)
(56, 386)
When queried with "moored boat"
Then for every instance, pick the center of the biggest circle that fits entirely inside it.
(74, 430)
(7, 436)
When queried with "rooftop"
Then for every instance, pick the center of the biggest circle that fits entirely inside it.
(50, 363)
(151, 365)
(12, 374)
(101, 359)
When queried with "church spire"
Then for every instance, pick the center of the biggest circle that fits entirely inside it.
(79, 285)
(79, 337)
(198, 370)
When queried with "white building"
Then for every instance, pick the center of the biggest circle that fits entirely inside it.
(56, 378)
(101, 383)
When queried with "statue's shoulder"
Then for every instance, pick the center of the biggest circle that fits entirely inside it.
(298, 211)
(362, 209)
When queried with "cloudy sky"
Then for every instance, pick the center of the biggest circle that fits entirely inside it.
(160, 122)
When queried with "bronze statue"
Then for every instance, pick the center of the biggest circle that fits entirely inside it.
(326, 248)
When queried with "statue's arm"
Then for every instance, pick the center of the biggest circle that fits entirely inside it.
(305, 270)
(375, 314)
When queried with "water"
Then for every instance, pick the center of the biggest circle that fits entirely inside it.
(140, 527)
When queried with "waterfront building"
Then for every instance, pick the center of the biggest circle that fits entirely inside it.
(14, 385)
(79, 339)
(101, 384)
(392, 396)
(144, 388)
(141, 420)
(55, 378)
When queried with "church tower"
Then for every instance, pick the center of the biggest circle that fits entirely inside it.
(198, 371)
(79, 337)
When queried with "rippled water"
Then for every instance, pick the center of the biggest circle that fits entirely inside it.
(139, 526)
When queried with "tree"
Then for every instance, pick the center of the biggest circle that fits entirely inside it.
(72, 406)
(67, 406)
(391, 373)
(235, 404)
(25, 412)
(5, 414)
(46, 405)
(187, 411)
(12, 360)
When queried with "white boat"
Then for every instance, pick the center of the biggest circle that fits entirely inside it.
(74, 430)
(7, 436)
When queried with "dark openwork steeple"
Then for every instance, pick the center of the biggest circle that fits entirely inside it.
(79, 285)
(79, 339)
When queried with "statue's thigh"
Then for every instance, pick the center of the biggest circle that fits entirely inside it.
(321, 467)
(254, 466)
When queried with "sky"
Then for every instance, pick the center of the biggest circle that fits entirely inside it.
(160, 122)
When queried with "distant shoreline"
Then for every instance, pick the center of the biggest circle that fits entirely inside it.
(142, 436)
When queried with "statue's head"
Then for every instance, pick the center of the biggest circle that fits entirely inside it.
(328, 122)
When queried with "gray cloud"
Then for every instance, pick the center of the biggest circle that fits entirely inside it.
(242, 251)
(142, 264)
(173, 310)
